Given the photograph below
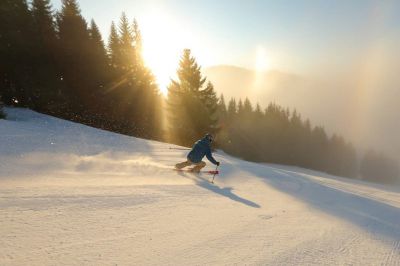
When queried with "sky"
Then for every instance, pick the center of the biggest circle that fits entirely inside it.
(296, 36)
(351, 47)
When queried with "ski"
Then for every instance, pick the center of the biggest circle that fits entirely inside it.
(210, 172)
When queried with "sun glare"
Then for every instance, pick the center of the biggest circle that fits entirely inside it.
(262, 60)
(163, 43)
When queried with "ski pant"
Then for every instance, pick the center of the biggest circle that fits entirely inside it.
(197, 166)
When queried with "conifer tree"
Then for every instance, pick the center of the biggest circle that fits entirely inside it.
(240, 108)
(114, 79)
(247, 107)
(124, 79)
(96, 42)
(222, 110)
(114, 47)
(232, 109)
(44, 22)
(192, 106)
(100, 75)
(127, 48)
(138, 101)
(151, 104)
(137, 39)
(16, 46)
(74, 57)
(98, 57)
(210, 105)
(48, 85)
(258, 110)
(227, 132)
(377, 167)
(320, 145)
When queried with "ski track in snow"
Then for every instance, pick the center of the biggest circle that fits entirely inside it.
(75, 195)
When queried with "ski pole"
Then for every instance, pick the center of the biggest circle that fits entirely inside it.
(216, 169)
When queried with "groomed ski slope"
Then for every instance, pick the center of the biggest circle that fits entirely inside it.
(75, 195)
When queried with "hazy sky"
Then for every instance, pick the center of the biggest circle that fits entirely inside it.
(296, 36)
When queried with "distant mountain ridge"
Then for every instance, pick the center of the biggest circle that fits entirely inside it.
(263, 87)
(312, 98)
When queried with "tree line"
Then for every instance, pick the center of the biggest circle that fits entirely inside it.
(281, 136)
(57, 63)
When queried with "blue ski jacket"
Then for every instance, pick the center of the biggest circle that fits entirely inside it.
(200, 149)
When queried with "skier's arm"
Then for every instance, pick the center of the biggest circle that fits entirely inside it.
(210, 157)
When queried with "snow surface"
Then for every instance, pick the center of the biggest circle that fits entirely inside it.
(75, 195)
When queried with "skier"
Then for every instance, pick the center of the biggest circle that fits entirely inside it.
(200, 149)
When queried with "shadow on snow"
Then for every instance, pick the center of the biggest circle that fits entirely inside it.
(226, 191)
(368, 213)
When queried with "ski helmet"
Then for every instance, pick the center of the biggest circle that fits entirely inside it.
(210, 137)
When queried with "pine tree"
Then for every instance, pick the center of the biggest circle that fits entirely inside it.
(258, 112)
(247, 108)
(16, 45)
(44, 22)
(210, 104)
(127, 48)
(114, 47)
(48, 85)
(222, 110)
(232, 109)
(240, 108)
(124, 77)
(192, 107)
(96, 42)
(74, 57)
(137, 40)
(149, 98)
(320, 146)
(377, 167)
(134, 89)
(100, 75)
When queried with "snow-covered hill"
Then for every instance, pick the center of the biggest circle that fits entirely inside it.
(74, 195)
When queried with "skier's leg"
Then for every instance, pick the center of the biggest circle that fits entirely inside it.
(199, 166)
(182, 164)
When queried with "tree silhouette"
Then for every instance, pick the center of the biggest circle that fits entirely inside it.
(278, 135)
(74, 58)
(46, 92)
(16, 46)
(377, 167)
(192, 105)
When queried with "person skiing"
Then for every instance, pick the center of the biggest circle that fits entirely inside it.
(200, 149)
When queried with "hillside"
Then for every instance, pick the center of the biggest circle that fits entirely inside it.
(314, 99)
(75, 195)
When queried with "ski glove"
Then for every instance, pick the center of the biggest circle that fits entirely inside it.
(218, 163)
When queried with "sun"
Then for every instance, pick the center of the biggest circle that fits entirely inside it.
(262, 60)
(165, 36)
(163, 43)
